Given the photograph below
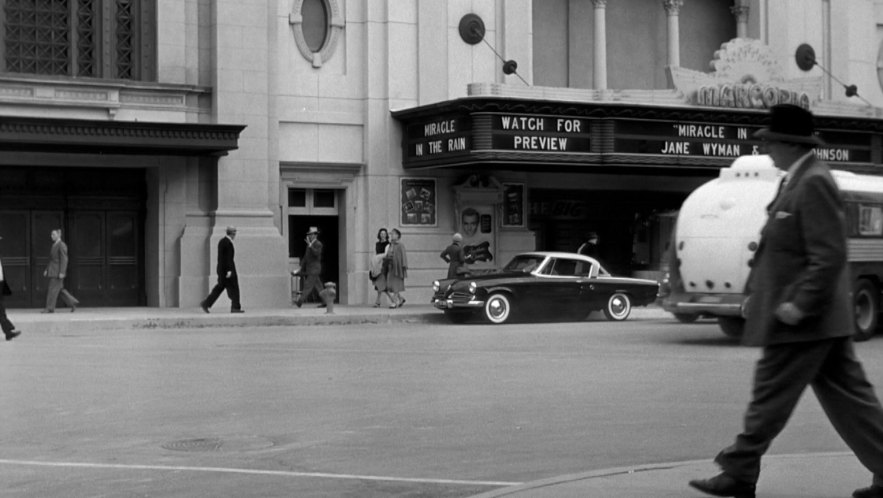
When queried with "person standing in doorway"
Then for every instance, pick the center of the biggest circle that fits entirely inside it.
(800, 311)
(8, 328)
(398, 269)
(311, 268)
(228, 279)
(56, 271)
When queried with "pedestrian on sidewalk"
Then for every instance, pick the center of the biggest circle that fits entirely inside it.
(376, 273)
(311, 268)
(800, 312)
(398, 269)
(8, 328)
(455, 258)
(228, 278)
(56, 271)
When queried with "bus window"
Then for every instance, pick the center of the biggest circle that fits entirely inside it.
(870, 220)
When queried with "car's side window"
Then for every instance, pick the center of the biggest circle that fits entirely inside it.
(561, 267)
(583, 269)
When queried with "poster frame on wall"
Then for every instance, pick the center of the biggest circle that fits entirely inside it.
(418, 206)
(510, 209)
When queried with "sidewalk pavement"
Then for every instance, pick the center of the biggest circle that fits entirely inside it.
(812, 475)
(92, 319)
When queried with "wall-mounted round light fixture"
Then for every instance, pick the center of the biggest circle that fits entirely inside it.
(471, 29)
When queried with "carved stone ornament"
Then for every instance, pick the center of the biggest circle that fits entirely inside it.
(478, 189)
(745, 75)
(335, 30)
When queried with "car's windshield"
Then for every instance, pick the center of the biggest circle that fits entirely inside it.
(525, 263)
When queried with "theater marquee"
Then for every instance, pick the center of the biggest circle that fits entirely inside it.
(549, 136)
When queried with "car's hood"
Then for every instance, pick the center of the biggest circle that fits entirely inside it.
(496, 277)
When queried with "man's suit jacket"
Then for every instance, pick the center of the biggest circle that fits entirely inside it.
(801, 259)
(57, 260)
(226, 252)
(311, 263)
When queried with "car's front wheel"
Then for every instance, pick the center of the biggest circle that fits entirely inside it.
(618, 307)
(498, 308)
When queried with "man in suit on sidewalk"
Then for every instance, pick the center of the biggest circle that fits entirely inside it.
(56, 271)
(7, 326)
(311, 267)
(800, 311)
(227, 277)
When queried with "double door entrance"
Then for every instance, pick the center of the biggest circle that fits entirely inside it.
(103, 232)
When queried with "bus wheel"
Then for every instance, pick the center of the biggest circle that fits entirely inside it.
(866, 299)
(686, 317)
(731, 326)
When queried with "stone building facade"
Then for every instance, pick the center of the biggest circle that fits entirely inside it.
(157, 123)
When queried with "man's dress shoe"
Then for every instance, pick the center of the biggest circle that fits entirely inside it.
(12, 334)
(203, 306)
(237, 311)
(724, 485)
(873, 491)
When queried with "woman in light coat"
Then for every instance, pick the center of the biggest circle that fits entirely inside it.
(397, 258)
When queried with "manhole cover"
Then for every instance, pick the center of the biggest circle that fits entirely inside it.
(234, 443)
(198, 444)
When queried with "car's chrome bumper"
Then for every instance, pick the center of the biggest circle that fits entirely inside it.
(709, 304)
(448, 304)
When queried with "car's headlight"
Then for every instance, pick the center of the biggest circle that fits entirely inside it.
(473, 287)
(436, 286)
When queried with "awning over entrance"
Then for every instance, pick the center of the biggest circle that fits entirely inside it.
(542, 135)
(116, 137)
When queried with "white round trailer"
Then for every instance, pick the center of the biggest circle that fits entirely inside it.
(718, 230)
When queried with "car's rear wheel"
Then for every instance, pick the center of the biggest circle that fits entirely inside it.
(457, 316)
(618, 307)
(497, 308)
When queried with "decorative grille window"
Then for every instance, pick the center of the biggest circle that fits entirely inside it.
(111, 39)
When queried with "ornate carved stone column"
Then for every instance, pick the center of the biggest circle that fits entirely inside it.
(740, 10)
(673, 9)
(600, 66)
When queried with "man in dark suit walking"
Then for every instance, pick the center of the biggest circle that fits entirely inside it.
(227, 277)
(311, 267)
(56, 271)
(800, 312)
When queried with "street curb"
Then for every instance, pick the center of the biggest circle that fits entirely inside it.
(97, 322)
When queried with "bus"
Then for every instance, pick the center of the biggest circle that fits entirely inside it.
(718, 230)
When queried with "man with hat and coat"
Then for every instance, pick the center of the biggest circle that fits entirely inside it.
(799, 310)
(310, 267)
(7, 326)
(227, 277)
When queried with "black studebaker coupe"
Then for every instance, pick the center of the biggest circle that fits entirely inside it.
(556, 284)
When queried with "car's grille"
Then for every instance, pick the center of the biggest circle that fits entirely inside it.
(460, 297)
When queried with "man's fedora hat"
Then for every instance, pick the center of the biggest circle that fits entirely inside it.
(792, 124)
(313, 230)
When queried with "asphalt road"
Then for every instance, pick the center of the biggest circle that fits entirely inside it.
(371, 411)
